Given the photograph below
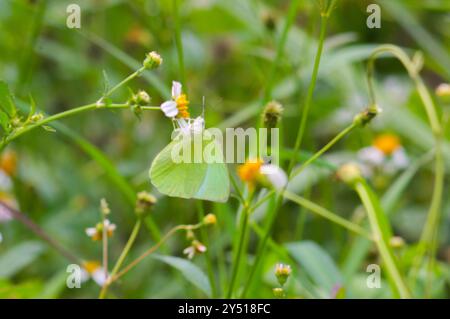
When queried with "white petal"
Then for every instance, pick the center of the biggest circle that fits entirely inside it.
(176, 89)
(275, 174)
(198, 125)
(112, 227)
(99, 276)
(169, 108)
(5, 181)
(91, 231)
(371, 155)
(400, 159)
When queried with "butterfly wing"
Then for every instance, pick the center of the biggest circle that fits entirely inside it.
(206, 181)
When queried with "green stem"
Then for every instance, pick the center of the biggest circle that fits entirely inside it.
(322, 212)
(237, 260)
(124, 81)
(382, 233)
(431, 226)
(122, 257)
(179, 42)
(330, 144)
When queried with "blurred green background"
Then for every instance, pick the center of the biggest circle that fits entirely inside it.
(229, 47)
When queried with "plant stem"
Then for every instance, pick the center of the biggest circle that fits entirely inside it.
(179, 42)
(237, 260)
(333, 217)
(124, 81)
(382, 233)
(122, 257)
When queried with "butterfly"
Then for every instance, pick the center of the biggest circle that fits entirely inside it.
(199, 179)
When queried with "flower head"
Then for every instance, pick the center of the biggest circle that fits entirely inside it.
(178, 105)
(210, 219)
(152, 60)
(196, 247)
(443, 90)
(144, 203)
(255, 172)
(272, 114)
(96, 233)
(282, 272)
(94, 270)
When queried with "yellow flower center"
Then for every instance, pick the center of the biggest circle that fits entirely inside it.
(249, 172)
(91, 266)
(387, 143)
(182, 105)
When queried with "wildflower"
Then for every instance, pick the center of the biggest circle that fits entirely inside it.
(94, 270)
(152, 60)
(178, 109)
(272, 114)
(96, 233)
(282, 272)
(385, 154)
(255, 172)
(144, 203)
(8, 162)
(210, 219)
(141, 98)
(396, 242)
(196, 247)
(443, 90)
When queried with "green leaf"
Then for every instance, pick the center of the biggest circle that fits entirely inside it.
(54, 286)
(18, 257)
(316, 262)
(7, 104)
(189, 270)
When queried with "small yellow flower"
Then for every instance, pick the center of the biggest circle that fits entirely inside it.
(387, 143)
(282, 272)
(94, 270)
(250, 171)
(443, 90)
(179, 105)
(210, 219)
(8, 162)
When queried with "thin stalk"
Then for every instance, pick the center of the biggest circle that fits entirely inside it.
(292, 11)
(122, 257)
(124, 81)
(330, 144)
(38, 231)
(178, 41)
(382, 232)
(322, 212)
(205, 240)
(237, 260)
(151, 250)
(431, 225)
(105, 245)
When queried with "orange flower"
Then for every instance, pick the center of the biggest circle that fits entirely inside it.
(8, 162)
(387, 143)
(250, 171)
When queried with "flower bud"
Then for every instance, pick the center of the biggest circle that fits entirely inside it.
(36, 117)
(104, 207)
(210, 219)
(367, 115)
(349, 173)
(144, 203)
(272, 114)
(152, 60)
(278, 293)
(397, 242)
(282, 272)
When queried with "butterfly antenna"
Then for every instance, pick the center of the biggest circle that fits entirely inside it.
(203, 107)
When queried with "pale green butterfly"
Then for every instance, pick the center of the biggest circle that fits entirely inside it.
(185, 178)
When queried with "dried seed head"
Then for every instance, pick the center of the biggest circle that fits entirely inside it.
(272, 114)
(144, 203)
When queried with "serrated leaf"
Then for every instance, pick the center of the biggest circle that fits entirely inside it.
(7, 104)
(18, 257)
(189, 270)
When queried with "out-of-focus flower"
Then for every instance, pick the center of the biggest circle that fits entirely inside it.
(349, 173)
(278, 293)
(144, 203)
(138, 35)
(443, 90)
(386, 155)
(94, 270)
(254, 172)
(210, 219)
(196, 247)
(8, 167)
(96, 233)
(272, 114)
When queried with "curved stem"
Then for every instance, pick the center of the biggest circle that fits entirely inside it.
(122, 257)
(431, 225)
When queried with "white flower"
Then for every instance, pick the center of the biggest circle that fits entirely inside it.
(275, 175)
(194, 248)
(96, 233)
(178, 104)
(94, 270)
(371, 155)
